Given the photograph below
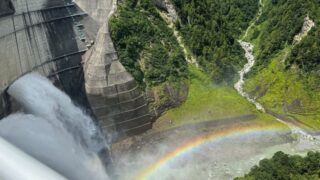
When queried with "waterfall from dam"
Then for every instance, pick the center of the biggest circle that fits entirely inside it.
(54, 131)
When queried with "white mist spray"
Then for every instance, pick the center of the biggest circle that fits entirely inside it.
(54, 131)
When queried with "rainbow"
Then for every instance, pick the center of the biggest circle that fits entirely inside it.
(214, 137)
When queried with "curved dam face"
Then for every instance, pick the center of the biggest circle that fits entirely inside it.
(70, 44)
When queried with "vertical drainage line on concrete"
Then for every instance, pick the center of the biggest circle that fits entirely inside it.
(28, 38)
(35, 39)
(16, 38)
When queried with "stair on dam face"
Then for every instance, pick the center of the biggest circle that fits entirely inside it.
(114, 95)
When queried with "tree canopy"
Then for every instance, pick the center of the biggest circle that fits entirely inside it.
(146, 46)
(211, 29)
(285, 167)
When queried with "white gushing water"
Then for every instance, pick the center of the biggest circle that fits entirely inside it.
(246, 69)
(53, 130)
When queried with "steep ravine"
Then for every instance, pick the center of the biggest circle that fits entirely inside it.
(246, 69)
(171, 18)
(261, 6)
(248, 48)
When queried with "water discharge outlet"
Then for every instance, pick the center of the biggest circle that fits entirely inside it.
(54, 131)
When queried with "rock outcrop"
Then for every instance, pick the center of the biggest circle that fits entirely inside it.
(168, 6)
(307, 26)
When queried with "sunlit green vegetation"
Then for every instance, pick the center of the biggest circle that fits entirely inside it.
(286, 76)
(306, 55)
(207, 102)
(280, 21)
(285, 92)
(146, 46)
(283, 166)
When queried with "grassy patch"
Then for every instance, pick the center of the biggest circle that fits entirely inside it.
(285, 92)
(208, 102)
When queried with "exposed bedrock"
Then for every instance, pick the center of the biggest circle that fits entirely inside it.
(167, 96)
(61, 39)
(167, 6)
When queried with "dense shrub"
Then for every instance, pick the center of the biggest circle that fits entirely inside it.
(283, 166)
(211, 29)
(280, 21)
(146, 46)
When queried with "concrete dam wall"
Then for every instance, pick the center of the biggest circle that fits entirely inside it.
(69, 43)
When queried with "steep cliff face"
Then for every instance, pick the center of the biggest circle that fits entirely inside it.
(55, 38)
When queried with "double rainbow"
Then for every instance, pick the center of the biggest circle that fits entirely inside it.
(155, 169)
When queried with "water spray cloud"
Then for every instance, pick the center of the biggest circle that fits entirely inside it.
(188, 148)
(53, 130)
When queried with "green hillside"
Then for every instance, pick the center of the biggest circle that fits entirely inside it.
(211, 29)
(286, 77)
(149, 51)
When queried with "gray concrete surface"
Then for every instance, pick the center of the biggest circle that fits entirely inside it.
(47, 36)
(108, 82)
(70, 43)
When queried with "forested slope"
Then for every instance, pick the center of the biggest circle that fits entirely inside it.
(211, 29)
(149, 51)
(286, 76)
